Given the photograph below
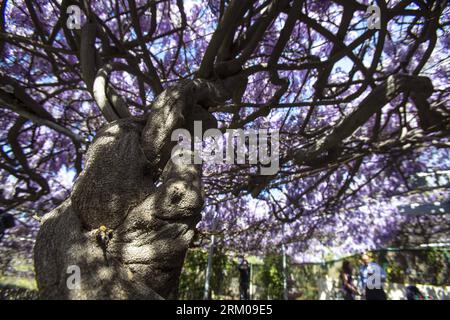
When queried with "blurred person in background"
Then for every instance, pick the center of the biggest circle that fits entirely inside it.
(349, 290)
(244, 279)
(371, 279)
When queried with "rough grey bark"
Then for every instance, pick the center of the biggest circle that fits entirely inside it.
(148, 204)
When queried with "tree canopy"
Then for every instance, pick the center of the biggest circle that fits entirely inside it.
(360, 110)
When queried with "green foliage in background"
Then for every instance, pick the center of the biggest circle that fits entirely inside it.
(17, 280)
(305, 281)
(224, 269)
(192, 280)
(271, 276)
(437, 267)
(428, 266)
(402, 266)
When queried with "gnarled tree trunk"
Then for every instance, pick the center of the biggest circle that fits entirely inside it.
(132, 213)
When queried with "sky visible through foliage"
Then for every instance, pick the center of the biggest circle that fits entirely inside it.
(342, 200)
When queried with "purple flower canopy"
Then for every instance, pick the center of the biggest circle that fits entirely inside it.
(314, 68)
